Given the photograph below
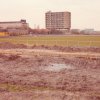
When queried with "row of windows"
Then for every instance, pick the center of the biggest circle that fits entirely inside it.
(55, 19)
(57, 16)
(57, 25)
(58, 22)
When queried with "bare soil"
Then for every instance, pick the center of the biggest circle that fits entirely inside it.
(8, 45)
(25, 74)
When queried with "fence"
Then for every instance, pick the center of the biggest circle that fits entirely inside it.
(65, 43)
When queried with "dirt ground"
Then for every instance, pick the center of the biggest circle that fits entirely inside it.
(46, 74)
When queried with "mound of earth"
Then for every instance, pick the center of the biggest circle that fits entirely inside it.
(8, 45)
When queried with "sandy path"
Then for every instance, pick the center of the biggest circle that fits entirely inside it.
(30, 52)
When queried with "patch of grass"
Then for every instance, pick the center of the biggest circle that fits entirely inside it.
(54, 40)
(11, 88)
(20, 88)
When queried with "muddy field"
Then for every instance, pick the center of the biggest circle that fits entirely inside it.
(45, 74)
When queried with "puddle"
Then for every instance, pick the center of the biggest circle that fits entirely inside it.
(58, 67)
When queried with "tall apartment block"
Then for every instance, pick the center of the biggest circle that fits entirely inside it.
(58, 20)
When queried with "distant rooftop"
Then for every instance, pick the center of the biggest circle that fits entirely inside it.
(57, 12)
(21, 21)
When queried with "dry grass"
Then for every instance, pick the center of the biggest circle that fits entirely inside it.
(55, 40)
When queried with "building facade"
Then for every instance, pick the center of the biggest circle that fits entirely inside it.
(14, 24)
(15, 27)
(58, 20)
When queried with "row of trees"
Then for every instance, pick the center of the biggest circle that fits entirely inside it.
(44, 31)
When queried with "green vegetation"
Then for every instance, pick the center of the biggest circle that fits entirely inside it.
(54, 40)
(22, 88)
(17, 88)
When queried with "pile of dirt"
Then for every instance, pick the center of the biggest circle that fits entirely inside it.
(68, 49)
(8, 45)
(73, 49)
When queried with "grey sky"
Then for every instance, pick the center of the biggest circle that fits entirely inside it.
(85, 13)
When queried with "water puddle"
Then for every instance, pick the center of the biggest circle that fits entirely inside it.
(58, 67)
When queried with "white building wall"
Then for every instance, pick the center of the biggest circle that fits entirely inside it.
(20, 27)
(5, 25)
(10, 25)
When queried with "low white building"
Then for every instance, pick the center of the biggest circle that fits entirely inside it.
(88, 31)
(15, 26)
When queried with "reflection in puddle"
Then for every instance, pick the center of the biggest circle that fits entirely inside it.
(58, 67)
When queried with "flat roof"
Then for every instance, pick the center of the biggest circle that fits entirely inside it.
(11, 22)
(21, 21)
(58, 12)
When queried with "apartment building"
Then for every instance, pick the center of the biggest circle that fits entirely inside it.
(58, 20)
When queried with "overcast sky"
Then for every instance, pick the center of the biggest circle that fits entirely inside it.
(85, 13)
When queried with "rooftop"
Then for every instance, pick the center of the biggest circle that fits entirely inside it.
(21, 21)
